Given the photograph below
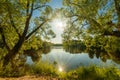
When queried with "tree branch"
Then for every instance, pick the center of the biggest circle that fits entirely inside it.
(113, 33)
(27, 21)
(12, 23)
(78, 5)
(40, 7)
(117, 6)
(75, 20)
(3, 38)
(43, 31)
(87, 18)
(35, 30)
(27, 11)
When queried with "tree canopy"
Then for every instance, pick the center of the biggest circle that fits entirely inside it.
(95, 22)
(21, 28)
(24, 25)
(96, 17)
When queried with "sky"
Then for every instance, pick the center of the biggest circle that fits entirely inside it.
(57, 24)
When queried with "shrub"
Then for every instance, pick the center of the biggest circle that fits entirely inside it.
(43, 68)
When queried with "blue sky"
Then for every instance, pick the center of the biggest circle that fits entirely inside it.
(57, 24)
(56, 4)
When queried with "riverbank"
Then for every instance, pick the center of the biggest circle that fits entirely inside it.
(81, 73)
(30, 78)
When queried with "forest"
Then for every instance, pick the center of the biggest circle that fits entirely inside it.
(91, 27)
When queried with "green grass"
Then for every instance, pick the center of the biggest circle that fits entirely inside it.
(91, 72)
(10, 71)
(42, 69)
(94, 73)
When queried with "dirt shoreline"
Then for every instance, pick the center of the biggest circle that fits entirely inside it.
(30, 78)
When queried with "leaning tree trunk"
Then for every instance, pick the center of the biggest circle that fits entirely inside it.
(12, 53)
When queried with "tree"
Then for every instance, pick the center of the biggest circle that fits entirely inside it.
(101, 16)
(96, 23)
(19, 23)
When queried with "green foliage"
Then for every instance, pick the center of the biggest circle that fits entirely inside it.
(44, 1)
(95, 23)
(12, 71)
(20, 30)
(34, 43)
(113, 45)
(96, 44)
(94, 73)
(91, 72)
(76, 45)
(42, 68)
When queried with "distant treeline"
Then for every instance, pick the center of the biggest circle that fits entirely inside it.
(57, 44)
(74, 44)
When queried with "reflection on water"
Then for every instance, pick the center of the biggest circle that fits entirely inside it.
(70, 60)
(35, 55)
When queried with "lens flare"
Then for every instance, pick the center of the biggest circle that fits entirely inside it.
(60, 69)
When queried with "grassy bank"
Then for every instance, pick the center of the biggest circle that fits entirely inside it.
(46, 71)
(94, 73)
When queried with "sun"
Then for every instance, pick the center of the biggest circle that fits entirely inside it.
(58, 24)
(60, 69)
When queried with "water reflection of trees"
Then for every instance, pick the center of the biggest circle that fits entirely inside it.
(95, 52)
(36, 54)
(74, 46)
(73, 49)
(20, 60)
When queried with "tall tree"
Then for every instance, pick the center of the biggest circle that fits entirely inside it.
(101, 16)
(19, 21)
(97, 23)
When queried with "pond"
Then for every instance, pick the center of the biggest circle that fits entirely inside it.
(71, 60)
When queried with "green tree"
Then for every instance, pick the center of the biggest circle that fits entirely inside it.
(96, 23)
(19, 25)
(98, 16)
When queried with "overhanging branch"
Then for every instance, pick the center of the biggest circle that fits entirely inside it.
(87, 18)
(40, 7)
(113, 33)
(35, 30)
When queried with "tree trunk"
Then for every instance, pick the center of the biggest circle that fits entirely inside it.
(12, 53)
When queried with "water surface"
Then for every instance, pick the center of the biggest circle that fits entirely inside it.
(68, 61)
